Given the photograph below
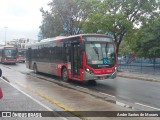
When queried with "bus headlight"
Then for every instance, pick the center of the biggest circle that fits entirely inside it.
(89, 71)
(115, 68)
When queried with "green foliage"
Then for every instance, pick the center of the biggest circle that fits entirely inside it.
(65, 16)
(49, 27)
(124, 48)
(148, 40)
(120, 17)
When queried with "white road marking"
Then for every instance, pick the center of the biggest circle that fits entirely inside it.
(82, 87)
(107, 94)
(33, 98)
(147, 106)
(122, 104)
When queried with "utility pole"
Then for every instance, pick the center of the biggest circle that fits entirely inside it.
(5, 35)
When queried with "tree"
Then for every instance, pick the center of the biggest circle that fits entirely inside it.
(49, 28)
(124, 48)
(65, 16)
(148, 40)
(51, 24)
(120, 17)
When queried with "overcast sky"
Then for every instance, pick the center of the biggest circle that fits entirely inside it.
(21, 17)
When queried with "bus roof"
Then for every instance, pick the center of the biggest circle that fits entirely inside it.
(1, 47)
(52, 39)
(59, 38)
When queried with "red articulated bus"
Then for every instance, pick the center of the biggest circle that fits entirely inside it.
(81, 57)
(8, 54)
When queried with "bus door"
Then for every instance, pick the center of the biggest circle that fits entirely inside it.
(75, 59)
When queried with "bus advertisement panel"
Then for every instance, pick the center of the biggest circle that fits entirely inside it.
(8, 54)
(80, 57)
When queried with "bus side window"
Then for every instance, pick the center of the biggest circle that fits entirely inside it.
(67, 52)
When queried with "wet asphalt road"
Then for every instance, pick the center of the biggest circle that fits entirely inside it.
(129, 91)
(132, 90)
(19, 105)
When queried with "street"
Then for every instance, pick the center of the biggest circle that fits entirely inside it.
(122, 93)
(18, 104)
(129, 90)
(80, 60)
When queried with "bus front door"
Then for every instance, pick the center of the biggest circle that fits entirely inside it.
(75, 60)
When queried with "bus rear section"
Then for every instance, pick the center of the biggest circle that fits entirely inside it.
(21, 55)
(8, 55)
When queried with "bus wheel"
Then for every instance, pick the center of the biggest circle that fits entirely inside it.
(35, 68)
(64, 74)
(92, 82)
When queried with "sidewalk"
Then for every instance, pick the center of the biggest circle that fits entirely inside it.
(140, 76)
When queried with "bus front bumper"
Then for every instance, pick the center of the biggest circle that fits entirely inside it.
(9, 61)
(88, 76)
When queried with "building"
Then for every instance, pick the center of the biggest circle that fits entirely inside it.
(21, 43)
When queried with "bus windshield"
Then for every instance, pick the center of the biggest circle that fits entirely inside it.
(100, 54)
(10, 53)
(21, 53)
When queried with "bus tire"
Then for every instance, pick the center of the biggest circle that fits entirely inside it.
(64, 74)
(92, 82)
(35, 68)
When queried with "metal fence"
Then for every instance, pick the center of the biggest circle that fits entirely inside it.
(140, 65)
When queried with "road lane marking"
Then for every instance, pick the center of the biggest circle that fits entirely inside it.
(49, 109)
(147, 106)
(82, 87)
(30, 96)
(122, 104)
(53, 101)
(46, 97)
(107, 94)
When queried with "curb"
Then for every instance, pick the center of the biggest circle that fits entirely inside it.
(5, 78)
(139, 78)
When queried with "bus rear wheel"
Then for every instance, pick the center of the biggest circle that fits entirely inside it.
(64, 74)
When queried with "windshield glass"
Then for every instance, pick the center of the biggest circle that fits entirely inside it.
(22, 53)
(10, 53)
(100, 54)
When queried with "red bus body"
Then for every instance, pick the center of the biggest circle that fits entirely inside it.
(84, 57)
(8, 54)
(21, 55)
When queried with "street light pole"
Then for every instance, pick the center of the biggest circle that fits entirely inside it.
(5, 35)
